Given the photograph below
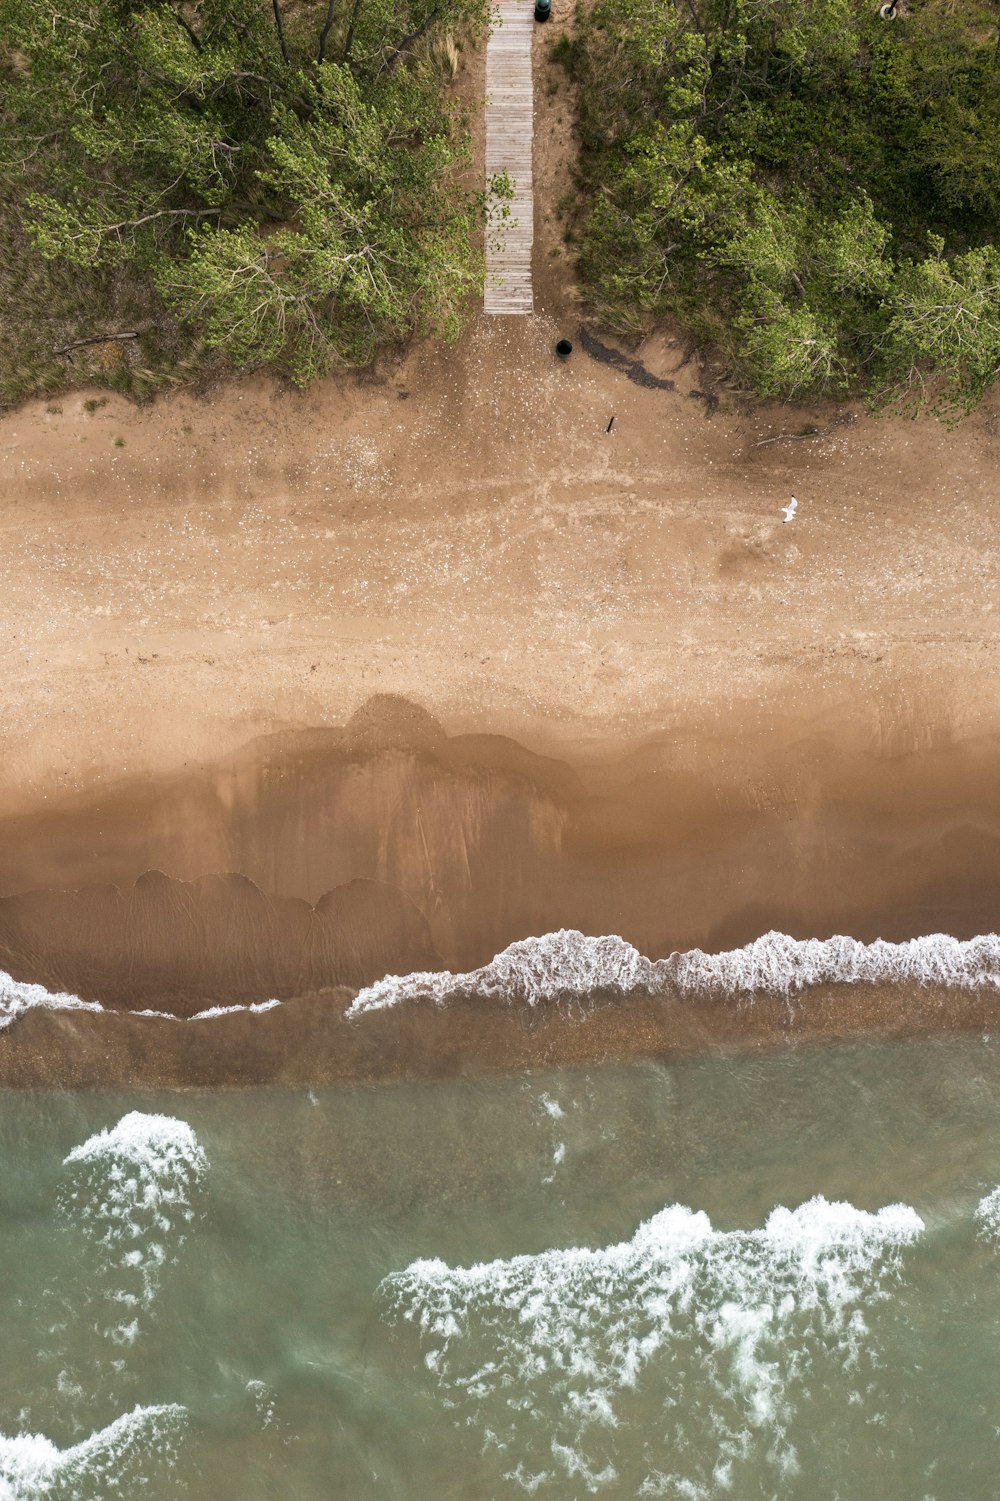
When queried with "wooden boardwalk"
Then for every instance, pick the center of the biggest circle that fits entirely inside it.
(508, 149)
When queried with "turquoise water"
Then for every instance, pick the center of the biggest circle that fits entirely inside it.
(443, 1291)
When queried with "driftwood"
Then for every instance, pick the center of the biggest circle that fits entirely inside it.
(95, 339)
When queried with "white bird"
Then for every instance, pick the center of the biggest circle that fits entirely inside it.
(790, 509)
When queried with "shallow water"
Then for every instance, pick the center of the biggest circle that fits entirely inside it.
(443, 1290)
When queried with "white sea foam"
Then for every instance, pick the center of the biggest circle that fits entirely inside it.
(132, 1187)
(117, 1462)
(213, 1011)
(988, 1215)
(263, 1399)
(568, 965)
(551, 1353)
(255, 1009)
(16, 998)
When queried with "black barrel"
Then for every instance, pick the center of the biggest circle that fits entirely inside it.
(543, 9)
(564, 349)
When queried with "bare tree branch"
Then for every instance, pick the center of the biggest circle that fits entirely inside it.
(95, 339)
(279, 26)
(791, 438)
(331, 7)
(192, 35)
(348, 45)
(399, 52)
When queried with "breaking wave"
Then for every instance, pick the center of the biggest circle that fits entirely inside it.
(568, 965)
(17, 997)
(255, 1009)
(988, 1215)
(115, 1463)
(131, 1189)
(548, 1355)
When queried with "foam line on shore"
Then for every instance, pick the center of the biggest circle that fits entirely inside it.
(568, 965)
(571, 966)
(17, 997)
(209, 1014)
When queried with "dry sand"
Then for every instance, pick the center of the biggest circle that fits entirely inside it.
(656, 708)
(262, 559)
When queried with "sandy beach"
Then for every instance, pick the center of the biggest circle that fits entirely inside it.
(261, 560)
(450, 633)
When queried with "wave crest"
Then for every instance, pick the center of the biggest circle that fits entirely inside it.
(17, 997)
(116, 1462)
(548, 1354)
(988, 1216)
(131, 1188)
(569, 965)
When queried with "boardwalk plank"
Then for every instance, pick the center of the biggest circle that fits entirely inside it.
(509, 126)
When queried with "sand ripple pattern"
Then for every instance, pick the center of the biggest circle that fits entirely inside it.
(568, 965)
(114, 1463)
(547, 1355)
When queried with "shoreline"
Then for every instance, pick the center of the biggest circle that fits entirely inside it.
(330, 858)
(389, 846)
(308, 1042)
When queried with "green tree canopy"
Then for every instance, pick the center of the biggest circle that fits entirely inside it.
(284, 175)
(812, 188)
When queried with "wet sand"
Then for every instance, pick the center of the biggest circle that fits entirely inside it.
(389, 846)
(308, 1041)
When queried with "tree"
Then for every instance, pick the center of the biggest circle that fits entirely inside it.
(944, 328)
(768, 173)
(286, 181)
(788, 351)
(378, 247)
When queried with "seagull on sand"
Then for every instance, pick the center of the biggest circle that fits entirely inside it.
(790, 509)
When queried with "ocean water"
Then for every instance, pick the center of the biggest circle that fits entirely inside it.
(758, 1276)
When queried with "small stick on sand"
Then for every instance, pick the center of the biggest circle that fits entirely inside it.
(790, 438)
